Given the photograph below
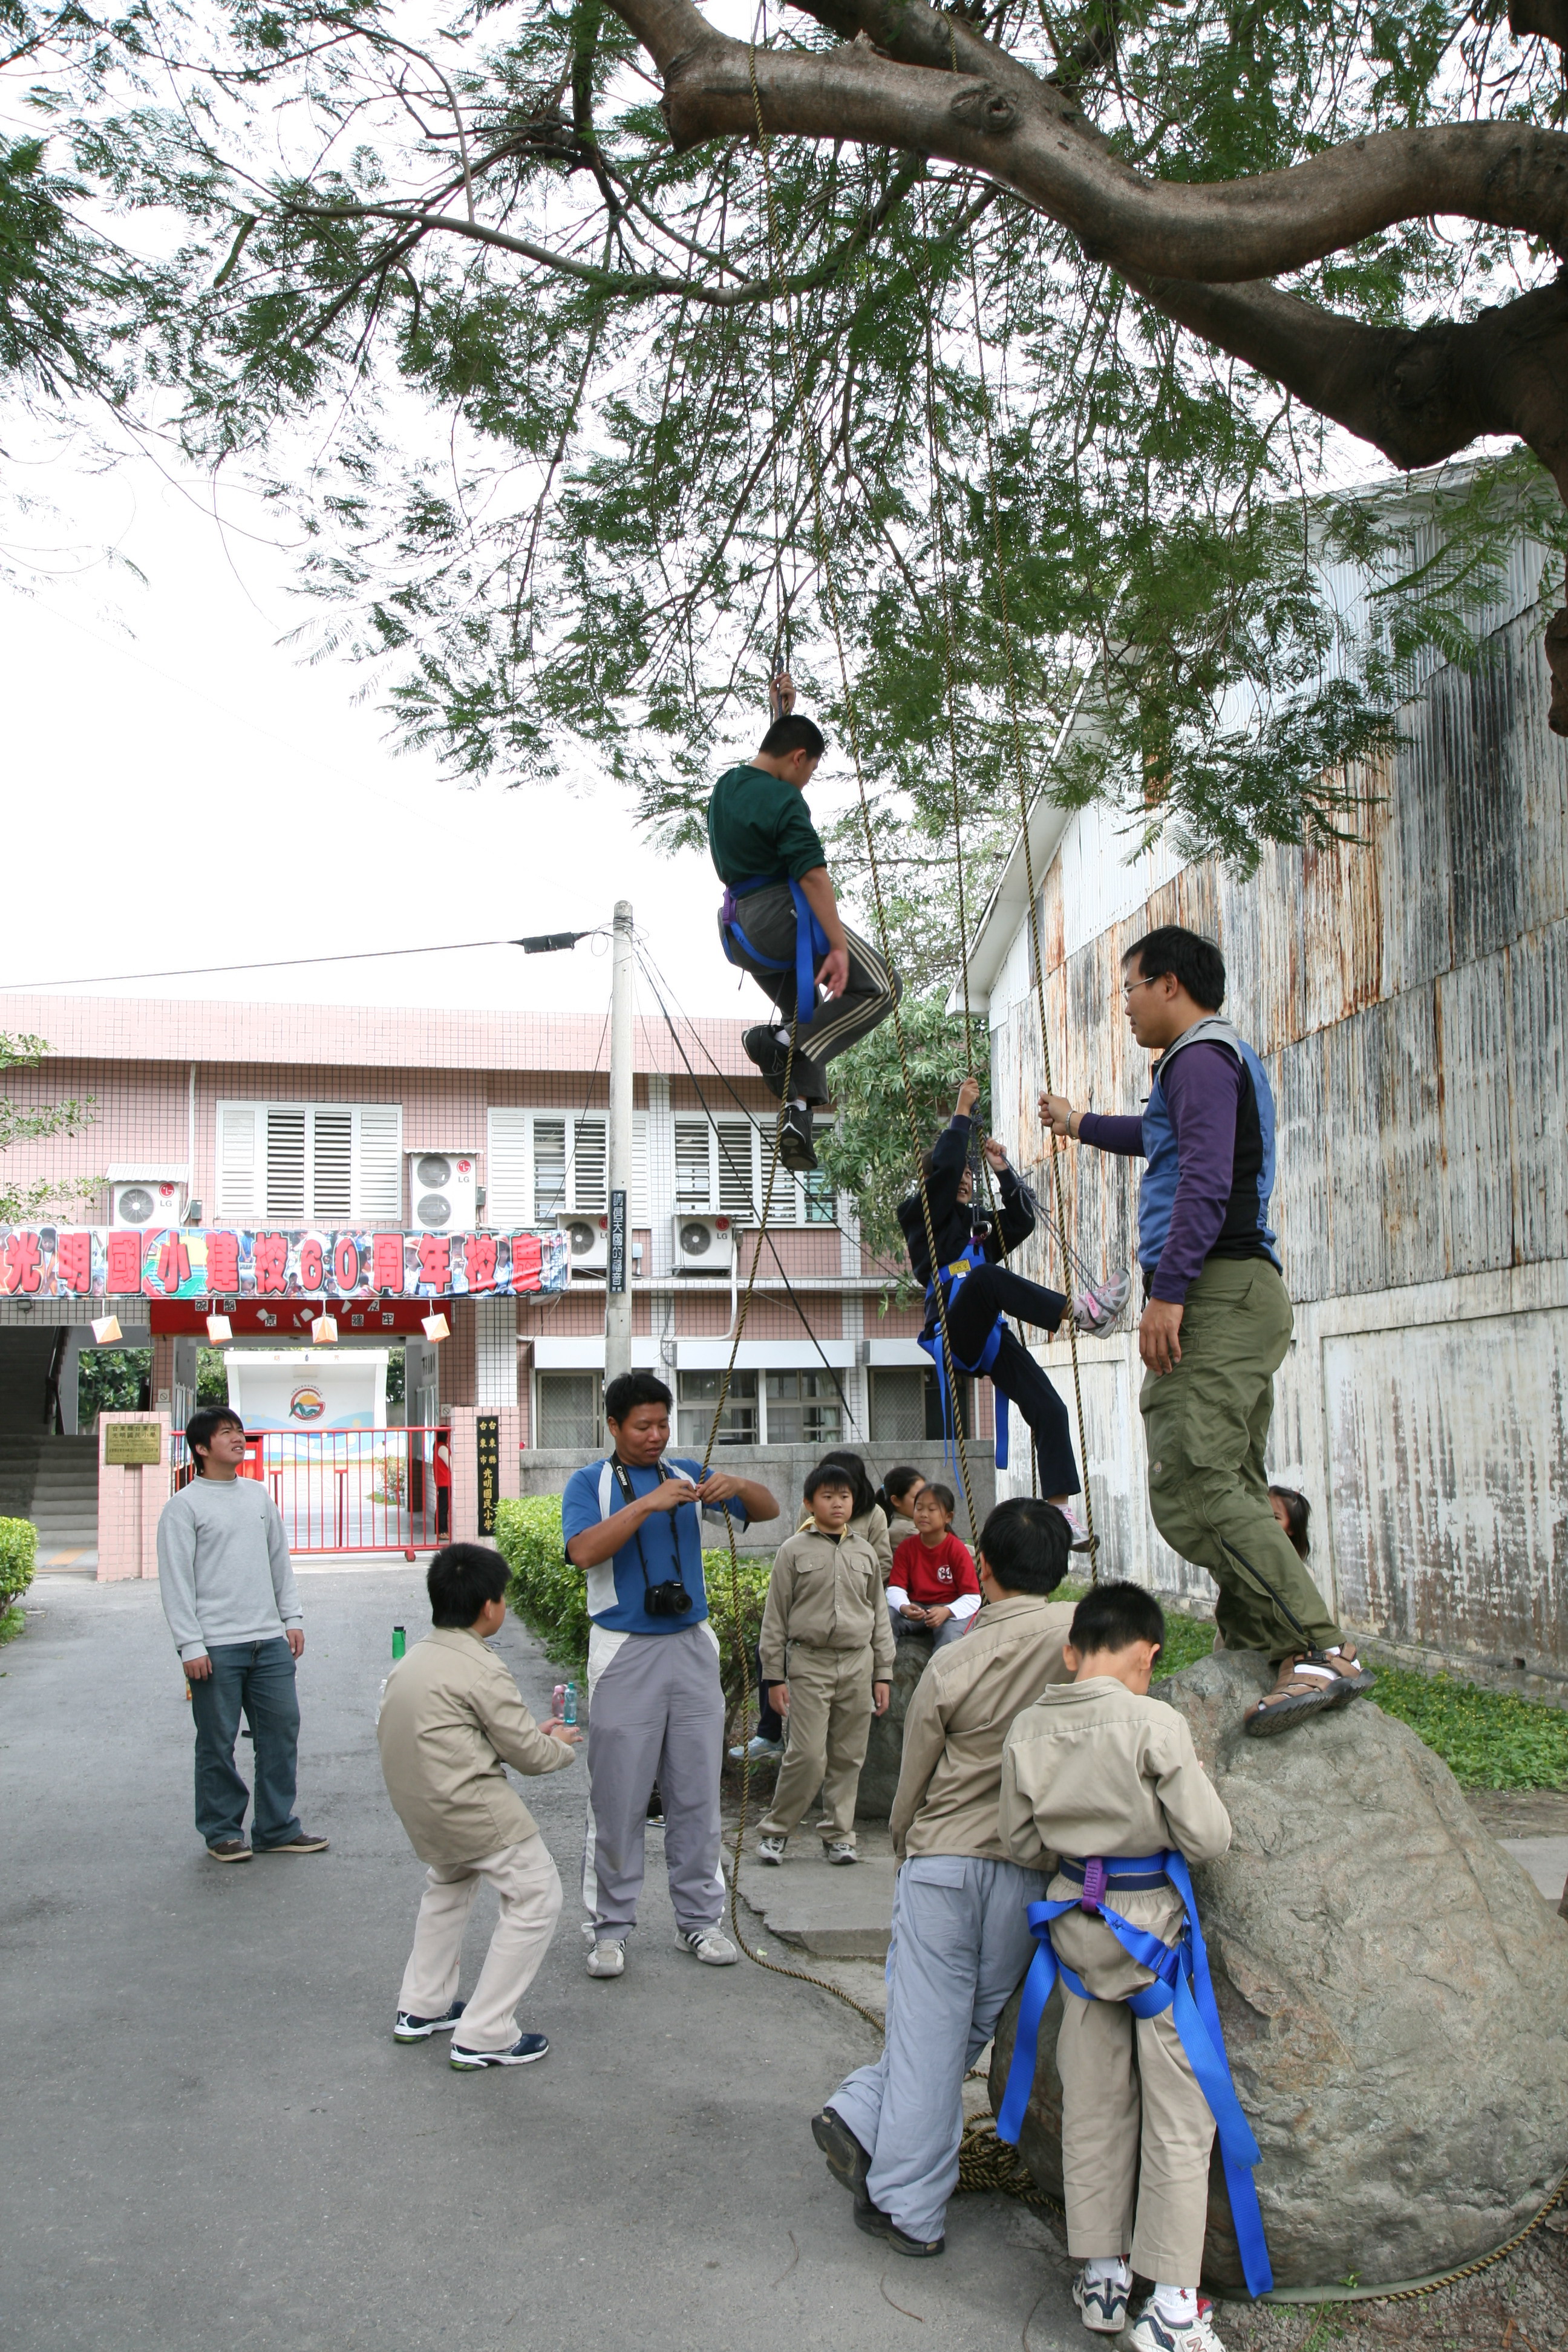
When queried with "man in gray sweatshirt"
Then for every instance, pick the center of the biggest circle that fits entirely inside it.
(229, 1596)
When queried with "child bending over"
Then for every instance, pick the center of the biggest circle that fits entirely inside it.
(827, 1662)
(1096, 1768)
(933, 1585)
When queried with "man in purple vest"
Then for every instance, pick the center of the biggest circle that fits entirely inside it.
(1217, 1322)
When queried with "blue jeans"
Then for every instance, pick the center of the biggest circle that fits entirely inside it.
(259, 1677)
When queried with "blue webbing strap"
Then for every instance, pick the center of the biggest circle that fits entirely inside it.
(1182, 1984)
(949, 1282)
(810, 943)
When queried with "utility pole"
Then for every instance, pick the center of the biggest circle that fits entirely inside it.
(617, 1271)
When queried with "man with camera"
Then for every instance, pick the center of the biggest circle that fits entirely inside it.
(632, 1524)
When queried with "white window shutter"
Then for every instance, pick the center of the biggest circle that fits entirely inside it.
(739, 1195)
(549, 1169)
(331, 1167)
(509, 1183)
(239, 1162)
(287, 1165)
(693, 1163)
(377, 1188)
(589, 1158)
(640, 1207)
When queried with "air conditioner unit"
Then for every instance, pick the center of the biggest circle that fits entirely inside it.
(588, 1239)
(704, 1244)
(442, 1192)
(147, 1201)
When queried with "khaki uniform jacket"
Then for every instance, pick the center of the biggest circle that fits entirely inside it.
(1092, 1769)
(958, 1718)
(451, 1719)
(826, 1592)
(873, 1525)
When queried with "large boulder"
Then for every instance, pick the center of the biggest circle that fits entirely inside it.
(885, 1750)
(1394, 1992)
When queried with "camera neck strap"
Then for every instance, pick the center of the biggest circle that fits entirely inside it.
(619, 1472)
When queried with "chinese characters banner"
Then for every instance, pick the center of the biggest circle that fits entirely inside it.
(189, 1262)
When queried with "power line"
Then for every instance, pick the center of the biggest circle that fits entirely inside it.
(545, 943)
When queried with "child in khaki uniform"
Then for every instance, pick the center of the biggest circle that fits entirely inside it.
(1096, 1767)
(828, 1659)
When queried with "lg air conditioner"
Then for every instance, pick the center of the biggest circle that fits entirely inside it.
(148, 1202)
(442, 1192)
(587, 1238)
(704, 1244)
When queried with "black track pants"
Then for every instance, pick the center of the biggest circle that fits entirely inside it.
(993, 1290)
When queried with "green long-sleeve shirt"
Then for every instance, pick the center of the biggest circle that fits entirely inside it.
(758, 825)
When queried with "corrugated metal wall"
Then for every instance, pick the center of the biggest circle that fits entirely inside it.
(1408, 994)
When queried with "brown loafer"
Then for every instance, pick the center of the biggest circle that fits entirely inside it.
(229, 1850)
(301, 1842)
(1311, 1682)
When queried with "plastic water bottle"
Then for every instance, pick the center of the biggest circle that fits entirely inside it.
(399, 1643)
(569, 1705)
(558, 1701)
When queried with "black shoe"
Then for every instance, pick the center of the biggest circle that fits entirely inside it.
(848, 2161)
(409, 2028)
(877, 2224)
(794, 1140)
(524, 2052)
(761, 1046)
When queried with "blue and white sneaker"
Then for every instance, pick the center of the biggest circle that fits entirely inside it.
(1102, 2302)
(524, 2052)
(410, 2028)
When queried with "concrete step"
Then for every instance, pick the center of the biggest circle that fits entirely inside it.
(832, 1910)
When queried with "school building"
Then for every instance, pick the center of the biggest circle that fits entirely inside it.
(435, 1183)
(1409, 993)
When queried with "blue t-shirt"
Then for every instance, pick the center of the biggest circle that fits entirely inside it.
(669, 1543)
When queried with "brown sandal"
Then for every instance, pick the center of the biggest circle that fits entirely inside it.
(1310, 1682)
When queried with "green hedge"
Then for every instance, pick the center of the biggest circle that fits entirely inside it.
(18, 1557)
(550, 1596)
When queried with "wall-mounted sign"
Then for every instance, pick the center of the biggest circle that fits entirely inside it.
(487, 1441)
(192, 1261)
(133, 1444)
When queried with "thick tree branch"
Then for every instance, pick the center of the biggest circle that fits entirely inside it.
(1419, 395)
(997, 117)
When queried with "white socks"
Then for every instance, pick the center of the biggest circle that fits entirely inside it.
(783, 1036)
(798, 1102)
(1108, 2270)
(1177, 2305)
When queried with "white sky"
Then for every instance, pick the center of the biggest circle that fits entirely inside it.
(184, 790)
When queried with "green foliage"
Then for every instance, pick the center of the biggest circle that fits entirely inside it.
(212, 1377)
(29, 1122)
(550, 1596)
(1188, 1639)
(1488, 1739)
(113, 1380)
(546, 1591)
(869, 1151)
(18, 1557)
(13, 1621)
(605, 540)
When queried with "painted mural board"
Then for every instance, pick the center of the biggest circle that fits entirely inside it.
(306, 1388)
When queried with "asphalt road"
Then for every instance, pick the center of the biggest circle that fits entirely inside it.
(213, 2144)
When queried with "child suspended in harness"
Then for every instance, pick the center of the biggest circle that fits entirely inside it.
(979, 1292)
(1107, 1778)
(780, 922)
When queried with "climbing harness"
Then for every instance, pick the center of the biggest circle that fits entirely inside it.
(810, 941)
(947, 1281)
(1182, 1985)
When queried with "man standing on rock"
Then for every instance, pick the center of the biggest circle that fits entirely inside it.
(1217, 1320)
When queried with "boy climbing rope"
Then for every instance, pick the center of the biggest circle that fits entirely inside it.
(1217, 1319)
(780, 922)
(981, 1292)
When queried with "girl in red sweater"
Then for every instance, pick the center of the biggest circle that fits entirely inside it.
(933, 1584)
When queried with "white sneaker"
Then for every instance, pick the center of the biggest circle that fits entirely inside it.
(1099, 1305)
(1153, 2334)
(608, 1960)
(1076, 1530)
(756, 1748)
(708, 1944)
(770, 1849)
(840, 1851)
(1101, 2303)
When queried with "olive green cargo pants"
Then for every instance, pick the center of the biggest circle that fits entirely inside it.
(1206, 1425)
